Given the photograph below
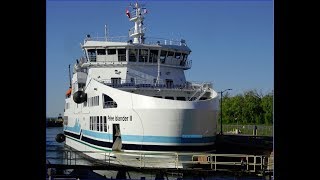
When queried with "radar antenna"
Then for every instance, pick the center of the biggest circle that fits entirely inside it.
(137, 16)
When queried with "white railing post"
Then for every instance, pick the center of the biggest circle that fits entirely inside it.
(254, 164)
(210, 161)
(144, 157)
(109, 157)
(247, 161)
(177, 159)
(140, 159)
(215, 162)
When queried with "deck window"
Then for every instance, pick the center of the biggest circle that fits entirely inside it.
(101, 123)
(168, 97)
(181, 98)
(115, 82)
(109, 102)
(169, 83)
(90, 123)
(98, 123)
(94, 123)
(105, 123)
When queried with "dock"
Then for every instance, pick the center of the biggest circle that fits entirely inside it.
(234, 155)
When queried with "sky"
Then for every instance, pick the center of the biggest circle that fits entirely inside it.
(231, 40)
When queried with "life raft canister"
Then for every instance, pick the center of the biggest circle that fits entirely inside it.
(68, 93)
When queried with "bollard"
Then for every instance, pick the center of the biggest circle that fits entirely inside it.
(255, 130)
(51, 172)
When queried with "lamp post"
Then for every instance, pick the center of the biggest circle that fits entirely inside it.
(221, 93)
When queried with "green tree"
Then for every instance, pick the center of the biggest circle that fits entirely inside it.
(253, 112)
(250, 107)
(267, 106)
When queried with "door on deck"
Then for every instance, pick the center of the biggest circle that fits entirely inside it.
(116, 134)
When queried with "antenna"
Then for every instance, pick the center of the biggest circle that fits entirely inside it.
(69, 76)
(105, 31)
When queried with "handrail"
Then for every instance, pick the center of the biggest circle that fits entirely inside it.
(178, 160)
(201, 90)
(140, 82)
(148, 40)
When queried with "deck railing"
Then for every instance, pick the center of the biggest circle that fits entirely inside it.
(150, 84)
(206, 161)
(148, 40)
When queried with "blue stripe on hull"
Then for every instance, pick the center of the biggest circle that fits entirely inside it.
(153, 139)
(144, 147)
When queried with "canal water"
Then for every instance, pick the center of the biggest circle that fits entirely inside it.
(55, 155)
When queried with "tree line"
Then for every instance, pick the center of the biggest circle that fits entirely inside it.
(249, 107)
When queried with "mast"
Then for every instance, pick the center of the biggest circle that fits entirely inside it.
(158, 75)
(137, 32)
(69, 76)
(105, 32)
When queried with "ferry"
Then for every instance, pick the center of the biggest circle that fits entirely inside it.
(129, 97)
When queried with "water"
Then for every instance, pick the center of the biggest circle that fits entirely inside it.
(55, 155)
(54, 150)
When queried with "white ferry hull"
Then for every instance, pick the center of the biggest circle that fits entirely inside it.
(147, 125)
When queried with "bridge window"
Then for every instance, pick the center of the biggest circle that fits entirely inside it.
(133, 55)
(177, 55)
(121, 54)
(170, 53)
(163, 55)
(153, 56)
(158, 96)
(111, 51)
(92, 55)
(143, 55)
(101, 51)
(184, 59)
